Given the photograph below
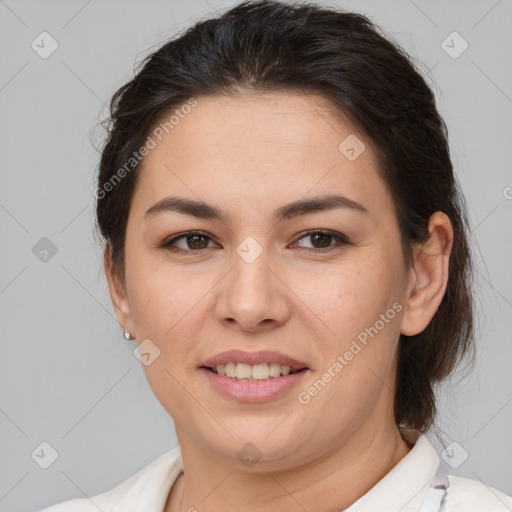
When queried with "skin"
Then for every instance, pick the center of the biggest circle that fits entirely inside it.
(248, 156)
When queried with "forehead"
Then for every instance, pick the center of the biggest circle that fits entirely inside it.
(261, 145)
(294, 124)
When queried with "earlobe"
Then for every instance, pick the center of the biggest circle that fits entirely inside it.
(429, 276)
(118, 293)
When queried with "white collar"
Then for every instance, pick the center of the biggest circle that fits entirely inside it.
(406, 485)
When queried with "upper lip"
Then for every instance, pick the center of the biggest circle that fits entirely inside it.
(252, 358)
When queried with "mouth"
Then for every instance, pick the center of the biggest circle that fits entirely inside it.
(254, 372)
(254, 381)
(264, 365)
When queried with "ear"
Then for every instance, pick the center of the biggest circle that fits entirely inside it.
(428, 276)
(118, 293)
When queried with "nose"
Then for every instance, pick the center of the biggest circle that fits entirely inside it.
(252, 297)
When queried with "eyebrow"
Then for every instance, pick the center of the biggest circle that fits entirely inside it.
(203, 210)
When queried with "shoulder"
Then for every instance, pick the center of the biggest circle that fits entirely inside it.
(145, 488)
(466, 494)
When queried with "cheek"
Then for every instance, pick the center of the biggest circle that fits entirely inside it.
(351, 296)
(361, 305)
(163, 301)
(166, 307)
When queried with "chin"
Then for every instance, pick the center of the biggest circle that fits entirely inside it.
(259, 442)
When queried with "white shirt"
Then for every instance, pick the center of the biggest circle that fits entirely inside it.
(403, 489)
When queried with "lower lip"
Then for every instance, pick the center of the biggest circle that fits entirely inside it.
(253, 390)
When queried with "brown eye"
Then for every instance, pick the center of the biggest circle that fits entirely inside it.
(323, 240)
(197, 241)
(187, 242)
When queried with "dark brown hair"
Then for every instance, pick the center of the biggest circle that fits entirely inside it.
(261, 46)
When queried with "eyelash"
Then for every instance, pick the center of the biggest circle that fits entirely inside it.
(341, 240)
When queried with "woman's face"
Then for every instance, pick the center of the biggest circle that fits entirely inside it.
(254, 281)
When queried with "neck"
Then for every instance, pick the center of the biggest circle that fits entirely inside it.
(331, 482)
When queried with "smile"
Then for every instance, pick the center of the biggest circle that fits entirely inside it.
(261, 371)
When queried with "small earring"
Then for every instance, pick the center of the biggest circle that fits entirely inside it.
(127, 335)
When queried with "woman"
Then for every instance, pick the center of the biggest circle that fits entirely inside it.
(286, 242)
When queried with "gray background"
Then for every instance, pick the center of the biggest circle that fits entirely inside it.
(67, 376)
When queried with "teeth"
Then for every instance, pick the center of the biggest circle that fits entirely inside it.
(285, 370)
(230, 369)
(260, 371)
(243, 371)
(274, 369)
